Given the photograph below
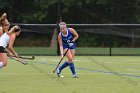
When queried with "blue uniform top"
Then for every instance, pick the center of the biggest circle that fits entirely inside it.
(67, 37)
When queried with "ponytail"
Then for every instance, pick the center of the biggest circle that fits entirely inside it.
(3, 18)
(17, 28)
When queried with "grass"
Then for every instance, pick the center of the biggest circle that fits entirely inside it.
(79, 51)
(97, 74)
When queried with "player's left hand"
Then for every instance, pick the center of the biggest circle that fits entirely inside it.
(70, 43)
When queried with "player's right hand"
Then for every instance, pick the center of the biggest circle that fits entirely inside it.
(62, 55)
(16, 55)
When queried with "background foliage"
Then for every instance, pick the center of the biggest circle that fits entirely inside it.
(74, 12)
(79, 11)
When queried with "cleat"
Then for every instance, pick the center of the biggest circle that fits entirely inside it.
(75, 76)
(58, 75)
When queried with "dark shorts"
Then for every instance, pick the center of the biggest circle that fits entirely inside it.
(2, 49)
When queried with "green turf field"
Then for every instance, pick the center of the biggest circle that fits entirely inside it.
(79, 51)
(97, 74)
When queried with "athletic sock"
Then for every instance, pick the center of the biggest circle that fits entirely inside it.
(1, 64)
(65, 64)
(72, 68)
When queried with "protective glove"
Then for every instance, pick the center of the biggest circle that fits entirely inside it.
(70, 43)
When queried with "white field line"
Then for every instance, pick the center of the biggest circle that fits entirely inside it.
(133, 70)
(55, 73)
(46, 59)
(133, 60)
(109, 62)
(120, 62)
(38, 73)
(128, 73)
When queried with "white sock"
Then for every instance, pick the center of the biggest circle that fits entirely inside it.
(1, 64)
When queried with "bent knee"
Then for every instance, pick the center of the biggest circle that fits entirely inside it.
(70, 60)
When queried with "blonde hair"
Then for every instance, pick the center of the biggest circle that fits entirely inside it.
(15, 29)
(3, 18)
(62, 23)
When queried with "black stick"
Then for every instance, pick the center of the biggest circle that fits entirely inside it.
(60, 60)
(19, 60)
(29, 58)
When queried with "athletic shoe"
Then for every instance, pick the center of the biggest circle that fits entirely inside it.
(75, 76)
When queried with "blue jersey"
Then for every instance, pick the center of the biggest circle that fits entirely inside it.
(67, 37)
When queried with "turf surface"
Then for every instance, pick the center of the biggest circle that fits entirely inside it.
(97, 74)
(79, 51)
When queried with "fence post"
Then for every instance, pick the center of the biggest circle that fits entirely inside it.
(110, 45)
(58, 21)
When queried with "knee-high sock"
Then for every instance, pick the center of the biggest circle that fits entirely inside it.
(1, 64)
(72, 68)
(65, 64)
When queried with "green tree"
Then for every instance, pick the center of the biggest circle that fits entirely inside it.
(79, 11)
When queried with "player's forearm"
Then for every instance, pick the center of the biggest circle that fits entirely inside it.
(11, 49)
(7, 51)
(61, 50)
(75, 38)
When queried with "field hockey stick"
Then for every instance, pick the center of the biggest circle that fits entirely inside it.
(60, 60)
(29, 58)
(16, 58)
(19, 60)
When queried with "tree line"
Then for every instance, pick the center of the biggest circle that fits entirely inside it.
(72, 11)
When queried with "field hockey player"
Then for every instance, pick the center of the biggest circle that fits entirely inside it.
(66, 39)
(4, 41)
